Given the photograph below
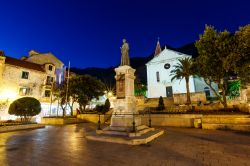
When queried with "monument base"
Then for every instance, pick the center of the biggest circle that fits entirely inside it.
(124, 123)
(142, 135)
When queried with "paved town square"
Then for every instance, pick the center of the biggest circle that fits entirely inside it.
(66, 145)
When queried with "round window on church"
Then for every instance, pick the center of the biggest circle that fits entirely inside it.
(167, 66)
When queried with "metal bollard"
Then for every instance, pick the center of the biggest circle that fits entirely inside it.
(133, 130)
(149, 119)
(99, 123)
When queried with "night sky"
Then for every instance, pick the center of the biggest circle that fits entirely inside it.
(89, 33)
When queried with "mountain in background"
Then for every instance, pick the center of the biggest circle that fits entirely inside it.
(107, 74)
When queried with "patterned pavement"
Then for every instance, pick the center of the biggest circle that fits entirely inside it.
(67, 146)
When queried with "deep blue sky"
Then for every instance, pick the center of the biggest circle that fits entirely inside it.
(89, 33)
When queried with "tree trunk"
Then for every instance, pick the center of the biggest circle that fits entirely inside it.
(80, 108)
(71, 108)
(188, 91)
(224, 97)
(209, 83)
(57, 109)
(64, 111)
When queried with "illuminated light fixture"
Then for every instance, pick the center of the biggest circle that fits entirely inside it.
(110, 94)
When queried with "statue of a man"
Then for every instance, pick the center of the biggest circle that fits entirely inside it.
(125, 56)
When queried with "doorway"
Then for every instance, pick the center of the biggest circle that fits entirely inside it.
(169, 91)
(207, 91)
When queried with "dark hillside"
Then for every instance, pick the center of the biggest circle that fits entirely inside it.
(107, 74)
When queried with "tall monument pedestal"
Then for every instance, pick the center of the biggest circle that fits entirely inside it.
(125, 120)
(125, 116)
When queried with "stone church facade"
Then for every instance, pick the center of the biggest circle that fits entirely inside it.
(159, 77)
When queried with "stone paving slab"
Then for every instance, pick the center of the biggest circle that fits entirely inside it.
(4, 129)
(67, 146)
(121, 139)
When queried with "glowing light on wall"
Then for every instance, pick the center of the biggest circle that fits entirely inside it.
(8, 94)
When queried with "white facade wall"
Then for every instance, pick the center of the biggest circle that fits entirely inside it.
(157, 89)
(200, 86)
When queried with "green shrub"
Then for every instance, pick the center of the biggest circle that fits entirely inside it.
(25, 107)
(161, 104)
(107, 105)
(103, 108)
(233, 89)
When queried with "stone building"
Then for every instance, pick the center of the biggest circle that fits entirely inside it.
(159, 78)
(30, 76)
(47, 58)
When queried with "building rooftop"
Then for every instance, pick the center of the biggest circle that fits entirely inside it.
(24, 64)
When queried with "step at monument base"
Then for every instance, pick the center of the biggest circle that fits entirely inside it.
(122, 131)
(127, 138)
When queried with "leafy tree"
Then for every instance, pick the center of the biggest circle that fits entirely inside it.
(140, 89)
(81, 89)
(87, 89)
(161, 104)
(241, 55)
(183, 69)
(233, 89)
(25, 107)
(216, 59)
(59, 93)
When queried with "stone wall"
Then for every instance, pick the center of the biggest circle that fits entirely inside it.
(245, 94)
(12, 82)
(59, 121)
(142, 103)
(226, 122)
(45, 58)
(243, 107)
(196, 97)
(93, 118)
(213, 122)
(174, 120)
(234, 119)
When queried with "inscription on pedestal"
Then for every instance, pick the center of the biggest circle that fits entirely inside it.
(120, 86)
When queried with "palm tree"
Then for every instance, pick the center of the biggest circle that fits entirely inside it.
(183, 69)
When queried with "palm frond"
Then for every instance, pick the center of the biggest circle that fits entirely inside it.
(182, 69)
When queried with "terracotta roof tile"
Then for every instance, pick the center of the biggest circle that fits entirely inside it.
(24, 64)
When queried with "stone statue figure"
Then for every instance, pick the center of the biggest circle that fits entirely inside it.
(125, 56)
